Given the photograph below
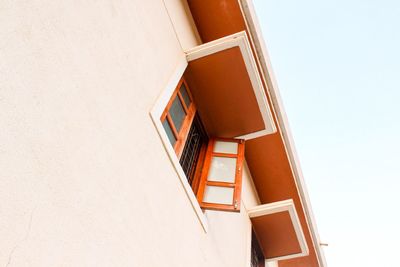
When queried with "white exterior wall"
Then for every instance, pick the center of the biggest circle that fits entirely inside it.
(84, 177)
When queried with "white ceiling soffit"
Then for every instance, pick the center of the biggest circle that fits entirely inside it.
(283, 206)
(240, 40)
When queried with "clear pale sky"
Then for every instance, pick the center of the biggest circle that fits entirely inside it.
(338, 69)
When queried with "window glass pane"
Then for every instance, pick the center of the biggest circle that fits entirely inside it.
(222, 170)
(185, 95)
(177, 113)
(226, 147)
(169, 132)
(218, 195)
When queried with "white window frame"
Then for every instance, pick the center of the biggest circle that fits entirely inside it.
(155, 115)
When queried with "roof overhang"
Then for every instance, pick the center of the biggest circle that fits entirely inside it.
(278, 230)
(271, 159)
(253, 27)
(227, 88)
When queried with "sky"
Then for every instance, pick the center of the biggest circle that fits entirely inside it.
(337, 64)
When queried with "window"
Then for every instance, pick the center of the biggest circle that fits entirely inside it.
(213, 166)
(221, 179)
(185, 132)
(178, 117)
(257, 257)
(192, 157)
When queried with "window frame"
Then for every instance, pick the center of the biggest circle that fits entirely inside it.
(190, 112)
(181, 136)
(155, 115)
(236, 185)
(207, 153)
(194, 178)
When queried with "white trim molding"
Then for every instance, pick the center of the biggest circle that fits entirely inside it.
(240, 40)
(265, 62)
(155, 115)
(283, 206)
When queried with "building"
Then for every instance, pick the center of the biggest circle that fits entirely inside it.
(145, 133)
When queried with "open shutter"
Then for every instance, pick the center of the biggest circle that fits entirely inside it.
(221, 178)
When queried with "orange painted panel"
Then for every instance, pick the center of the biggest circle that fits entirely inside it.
(216, 18)
(223, 94)
(270, 168)
(276, 234)
(266, 156)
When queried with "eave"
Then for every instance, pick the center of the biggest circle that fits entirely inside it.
(272, 158)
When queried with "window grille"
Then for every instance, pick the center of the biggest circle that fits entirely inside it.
(190, 155)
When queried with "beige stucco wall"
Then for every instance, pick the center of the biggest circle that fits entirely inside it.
(184, 26)
(84, 177)
(232, 231)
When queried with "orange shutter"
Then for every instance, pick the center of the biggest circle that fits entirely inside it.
(221, 178)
